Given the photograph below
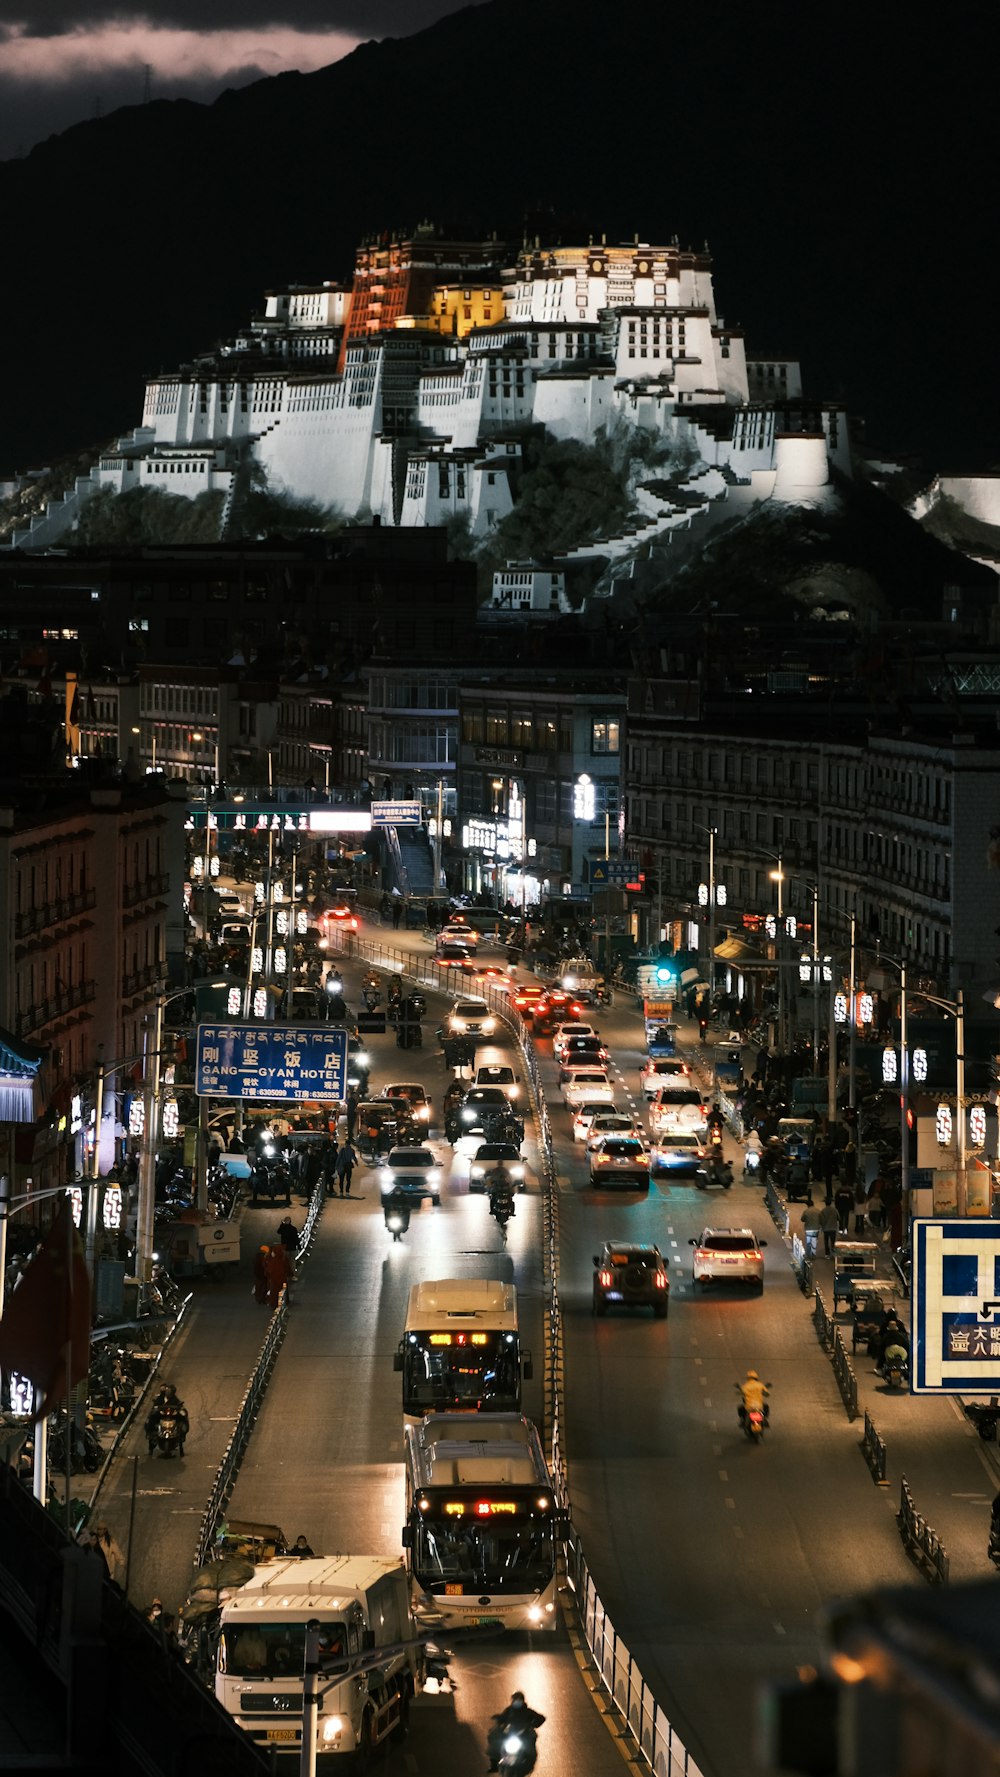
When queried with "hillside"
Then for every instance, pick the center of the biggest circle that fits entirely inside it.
(138, 239)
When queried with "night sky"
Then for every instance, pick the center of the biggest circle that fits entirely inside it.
(61, 63)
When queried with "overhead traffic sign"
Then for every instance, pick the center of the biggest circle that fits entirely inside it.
(271, 1061)
(396, 814)
(955, 1309)
(609, 872)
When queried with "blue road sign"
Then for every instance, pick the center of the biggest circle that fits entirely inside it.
(955, 1308)
(609, 872)
(271, 1061)
(396, 814)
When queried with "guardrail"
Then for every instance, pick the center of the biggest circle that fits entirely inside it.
(646, 1722)
(140, 1399)
(874, 1452)
(843, 1369)
(802, 1264)
(246, 1418)
(777, 1210)
(822, 1320)
(921, 1543)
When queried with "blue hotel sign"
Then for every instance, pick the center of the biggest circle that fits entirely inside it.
(277, 1062)
(955, 1306)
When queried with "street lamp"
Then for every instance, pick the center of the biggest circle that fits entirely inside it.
(904, 1095)
(713, 895)
(151, 1058)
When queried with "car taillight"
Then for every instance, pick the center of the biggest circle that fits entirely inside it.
(758, 1256)
(605, 1279)
(661, 1281)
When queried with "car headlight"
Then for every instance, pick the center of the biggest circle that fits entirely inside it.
(468, 1116)
(489, 1024)
(434, 1176)
(477, 1171)
(516, 1171)
(424, 1110)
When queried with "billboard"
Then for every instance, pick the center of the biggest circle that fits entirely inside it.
(280, 1062)
(955, 1307)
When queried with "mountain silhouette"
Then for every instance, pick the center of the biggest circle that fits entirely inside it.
(837, 164)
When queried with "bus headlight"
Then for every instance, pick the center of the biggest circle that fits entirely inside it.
(333, 1727)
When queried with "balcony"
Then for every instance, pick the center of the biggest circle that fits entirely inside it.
(145, 890)
(56, 1006)
(35, 919)
(148, 977)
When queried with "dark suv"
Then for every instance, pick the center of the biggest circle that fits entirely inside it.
(627, 1276)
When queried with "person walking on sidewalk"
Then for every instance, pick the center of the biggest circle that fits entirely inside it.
(844, 1201)
(860, 1206)
(829, 1224)
(347, 1159)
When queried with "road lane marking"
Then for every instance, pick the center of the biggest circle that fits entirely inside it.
(723, 1474)
(730, 1503)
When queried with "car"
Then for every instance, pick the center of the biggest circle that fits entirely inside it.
(678, 1151)
(457, 932)
(415, 1095)
(733, 1254)
(610, 1121)
(577, 975)
(619, 1157)
(629, 1276)
(677, 1107)
(584, 1115)
(342, 915)
(306, 1006)
(495, 1073)
(574, 1028)
(589, 1084)
(411, 1172)
(471, 1017)
(480, 1106)
(530, 1001)
(581, 1052)
(660, 1070)
(496, 1153)
(454, 953)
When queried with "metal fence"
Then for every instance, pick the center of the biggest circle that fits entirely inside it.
(822, 1320)
(802, 1264)
(874, 1451)
(843, 1369)
(921, 1543)
(246, 1418)
(777, 1210)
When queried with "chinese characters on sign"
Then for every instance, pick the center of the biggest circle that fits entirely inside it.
(956, 1306)
(271, 1061)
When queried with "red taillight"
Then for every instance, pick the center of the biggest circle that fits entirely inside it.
(604, 1278)
(661, 1280)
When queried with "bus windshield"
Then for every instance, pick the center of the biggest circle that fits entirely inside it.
(477, 1545)
(470, 1370)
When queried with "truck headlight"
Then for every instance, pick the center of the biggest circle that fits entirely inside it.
(333, 1727)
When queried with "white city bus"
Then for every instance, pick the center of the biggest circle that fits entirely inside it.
(482, 1524)
(461, 1350)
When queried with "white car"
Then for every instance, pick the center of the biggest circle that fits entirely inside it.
(587, 1087)
(498, 1074)
(563, 1032)
(610, 1121)
(471, 1017)
(663, 1070)
(677, 1107)
(583, 1119)
(677, 1151)
(728, 1254)
(619, 1159)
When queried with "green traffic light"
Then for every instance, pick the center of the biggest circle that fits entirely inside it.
(664, 974)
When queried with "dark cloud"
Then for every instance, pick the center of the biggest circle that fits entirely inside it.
(362, 18)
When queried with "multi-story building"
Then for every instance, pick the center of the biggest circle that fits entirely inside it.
(88, 877)
(539, 783)
(322, 733)
(206, 724)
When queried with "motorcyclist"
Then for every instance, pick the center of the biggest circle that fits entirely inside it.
(500, 1186)
(754, 1394)
(893, 1333)
(517, 1719)
(396, 1210)
(715, 1120)
(167, 1401)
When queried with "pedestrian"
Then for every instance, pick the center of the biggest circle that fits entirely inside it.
(279, 1272)
(300, 1548)
(811, 1224)
(330, 1152)
(844, 1203)
(849, 1165)
(876, 1205)
(288, 1234)
(860, 1206)
(347, 1159)
(260, 1279)
(353, 1099)
(829, 1224)
(829, 1170)
(397, 911)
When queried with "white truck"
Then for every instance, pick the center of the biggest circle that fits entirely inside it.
(361, 1603)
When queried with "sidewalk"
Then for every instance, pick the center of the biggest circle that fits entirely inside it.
(952, 1475)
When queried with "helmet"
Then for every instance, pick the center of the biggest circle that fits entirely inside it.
(752, 1376)
(518, 1697)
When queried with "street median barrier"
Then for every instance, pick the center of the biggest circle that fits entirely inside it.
(921, 1543)
(874, 1452)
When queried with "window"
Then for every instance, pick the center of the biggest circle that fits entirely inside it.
(521, 729)
(496, 728)
(605, 736)
(138, 625)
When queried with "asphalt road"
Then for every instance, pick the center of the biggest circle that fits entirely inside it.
(715, 1559)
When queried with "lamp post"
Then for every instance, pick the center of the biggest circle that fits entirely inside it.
(956, 1009)
(778, 876)
(904, 1088)
(438, 826)
(713, 897)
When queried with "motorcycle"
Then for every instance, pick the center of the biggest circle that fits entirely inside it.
(397, 1218)
(984, 1418)
(371, 996)
(168, 1434)
(518, 1752)
(715, 1138)
(895, 1366)
(717, 1172)
(754, 1421)
(751, 1163)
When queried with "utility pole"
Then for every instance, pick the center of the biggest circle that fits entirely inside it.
(438, 825)
(711, 913)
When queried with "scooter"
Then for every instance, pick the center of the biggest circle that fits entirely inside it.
(895, 1365)
(754, 1420)
(717, 1172)
(397, 1218)
(518, 1752)
(751, 1163)
(168, 1434)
